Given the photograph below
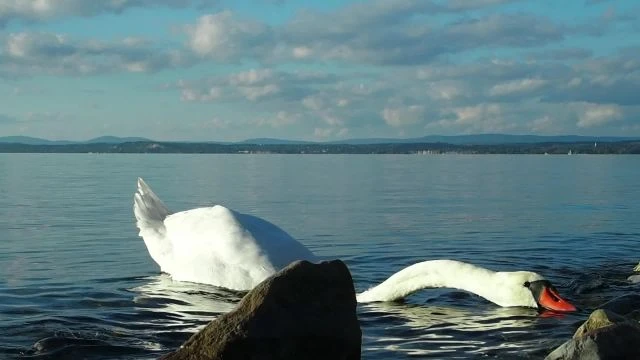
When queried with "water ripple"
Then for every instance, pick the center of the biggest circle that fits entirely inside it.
(76, 282)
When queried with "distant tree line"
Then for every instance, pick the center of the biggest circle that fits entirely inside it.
(625, 147)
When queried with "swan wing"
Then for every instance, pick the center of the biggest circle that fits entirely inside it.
(278, 246)
(211, 246)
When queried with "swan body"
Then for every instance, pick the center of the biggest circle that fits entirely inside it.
(213, 245)
(507, 289)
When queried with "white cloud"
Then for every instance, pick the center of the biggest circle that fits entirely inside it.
(301, 52)
(480, 118)
(446, 90)
(402, 116)
(363, 55)
(223, 37)
(313, 103)
(28, 54)
(251, 77)
(41, 10)
(574, 82)
(594, 115)
(544, 124)
(254, 93)
(477, 113)
(342, 132)
(516, 86)
(343, 102)
(136, 66)
(191, 95)
(282, 118)
(24, 45)
(330, 119)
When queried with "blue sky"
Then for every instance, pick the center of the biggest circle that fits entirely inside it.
(318, 70)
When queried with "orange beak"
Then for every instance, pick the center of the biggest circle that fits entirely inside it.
(551, 300)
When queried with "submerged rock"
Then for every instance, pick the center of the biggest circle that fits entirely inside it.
(627, 305)
(604, 336)
(305, 311)
(586, 283)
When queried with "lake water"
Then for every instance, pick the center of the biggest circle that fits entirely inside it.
(73, 269)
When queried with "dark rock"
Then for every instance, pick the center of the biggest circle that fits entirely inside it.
(627, 305)
(305, 311)
(604, 336)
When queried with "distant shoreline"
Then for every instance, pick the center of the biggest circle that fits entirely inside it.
(159, 147)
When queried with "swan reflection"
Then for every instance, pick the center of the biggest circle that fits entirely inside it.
(187, 305)
(416, 329)
(462, 319)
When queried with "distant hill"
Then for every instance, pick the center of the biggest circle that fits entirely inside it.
(28, 140)
(478, 139)
(488, 139)
(562, 148)
(270, 141)
(115, 140)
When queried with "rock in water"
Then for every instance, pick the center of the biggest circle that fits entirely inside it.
(604, 336)
(627, 305)
(305, 311)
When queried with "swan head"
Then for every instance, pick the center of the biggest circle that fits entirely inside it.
(547, 296)
(532, 290)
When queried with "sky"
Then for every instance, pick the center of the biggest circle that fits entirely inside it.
(229, 70)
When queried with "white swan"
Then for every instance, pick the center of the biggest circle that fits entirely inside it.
(516, 288)
(213, 245)
(221, 247)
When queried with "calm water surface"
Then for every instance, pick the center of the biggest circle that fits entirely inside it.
(76, 282)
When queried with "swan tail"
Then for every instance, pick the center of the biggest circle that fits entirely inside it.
(150, 213)
(149, 210)
(637, 268)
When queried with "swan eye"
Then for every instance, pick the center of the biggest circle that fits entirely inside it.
(527, 284)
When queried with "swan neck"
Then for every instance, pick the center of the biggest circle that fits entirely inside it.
(432, 274)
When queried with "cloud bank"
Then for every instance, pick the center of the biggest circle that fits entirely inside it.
(376, 68)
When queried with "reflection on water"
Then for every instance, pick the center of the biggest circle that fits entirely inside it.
(436, 330)
(462, 319)
(184, 304)
(75, 275)
(153, 315)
